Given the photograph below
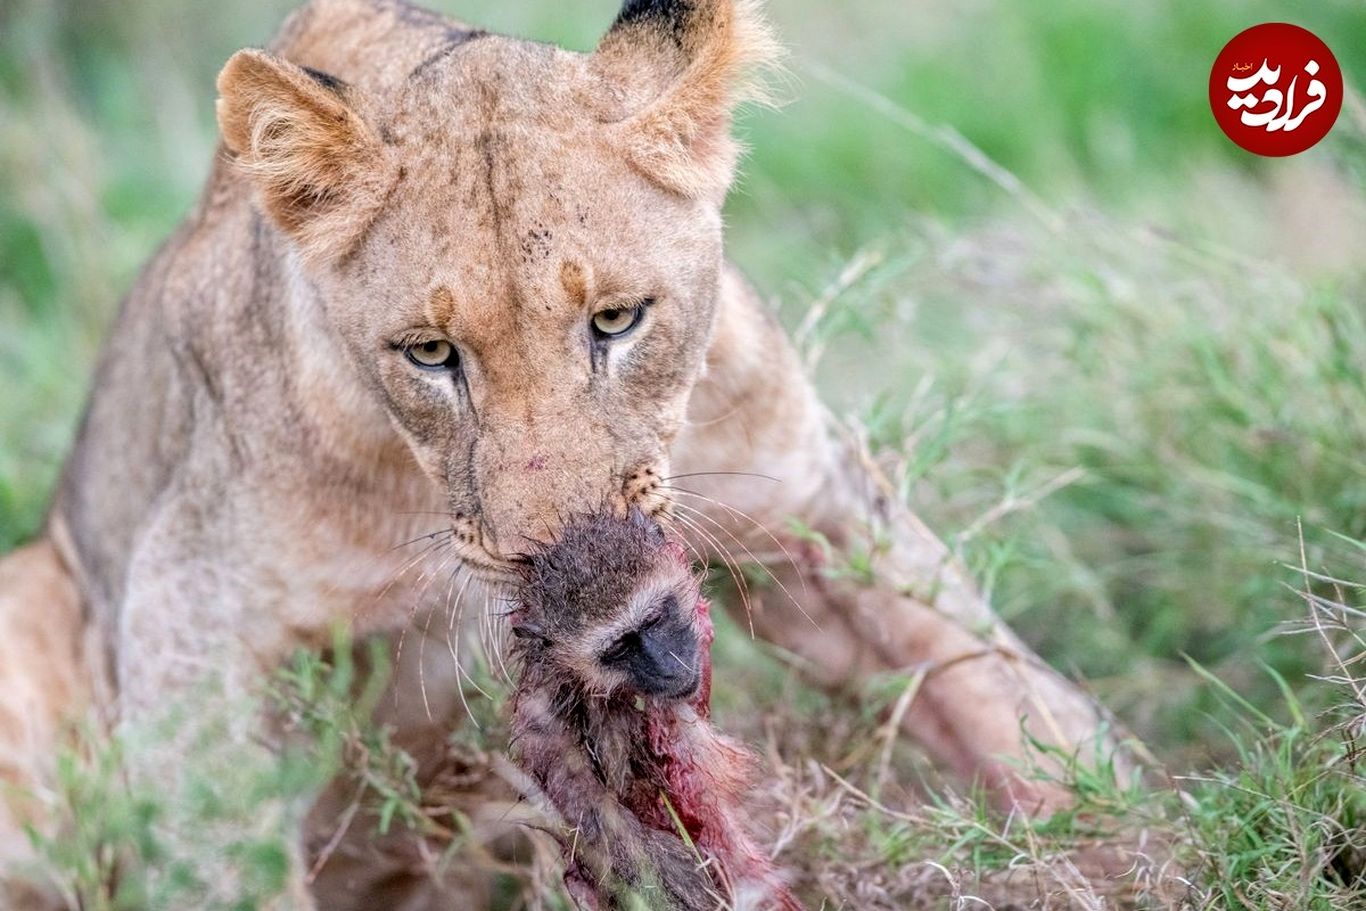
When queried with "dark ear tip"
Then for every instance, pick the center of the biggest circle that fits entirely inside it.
(633, 11)
(326, 80)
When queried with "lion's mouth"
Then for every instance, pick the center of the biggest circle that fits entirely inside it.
(475, 557)
(498, 575)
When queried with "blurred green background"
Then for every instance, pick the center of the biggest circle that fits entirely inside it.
(1115, 376)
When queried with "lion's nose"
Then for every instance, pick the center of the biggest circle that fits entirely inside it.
(531, 483)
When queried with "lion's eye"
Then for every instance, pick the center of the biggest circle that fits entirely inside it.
(617, 321)
(432, 355)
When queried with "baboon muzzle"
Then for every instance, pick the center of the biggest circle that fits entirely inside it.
(661, 658)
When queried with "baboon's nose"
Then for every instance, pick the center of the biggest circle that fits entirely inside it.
(660, 658)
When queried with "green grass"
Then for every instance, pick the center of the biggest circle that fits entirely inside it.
(1126, 379)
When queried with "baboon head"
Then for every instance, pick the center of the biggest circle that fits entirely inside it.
(613, 605)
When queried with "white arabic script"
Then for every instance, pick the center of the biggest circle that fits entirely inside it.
(1282, 114)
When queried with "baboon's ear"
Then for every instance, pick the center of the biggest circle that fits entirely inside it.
(674, 71)
(321, 170)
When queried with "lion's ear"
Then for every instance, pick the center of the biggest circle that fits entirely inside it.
(675, 71)
(321, 171)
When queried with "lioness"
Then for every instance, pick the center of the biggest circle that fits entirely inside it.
(454, 283)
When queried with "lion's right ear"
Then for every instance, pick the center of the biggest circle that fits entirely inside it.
(321, 170)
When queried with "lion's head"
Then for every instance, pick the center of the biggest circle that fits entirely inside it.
(517, 246)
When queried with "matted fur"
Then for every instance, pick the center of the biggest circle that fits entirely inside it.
(649, 794)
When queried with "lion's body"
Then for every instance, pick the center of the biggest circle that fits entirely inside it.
(240, 485)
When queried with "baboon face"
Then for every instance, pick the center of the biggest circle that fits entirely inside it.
(613, 604)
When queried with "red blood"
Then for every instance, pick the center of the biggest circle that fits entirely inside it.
(625, 779)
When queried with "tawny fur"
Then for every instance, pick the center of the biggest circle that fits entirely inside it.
(651, 795)
(41, 633)
(321, 170)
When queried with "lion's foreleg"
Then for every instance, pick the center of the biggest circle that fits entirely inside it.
(194, 661)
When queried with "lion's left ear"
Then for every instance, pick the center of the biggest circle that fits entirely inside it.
(672, 73)
(320, 168)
